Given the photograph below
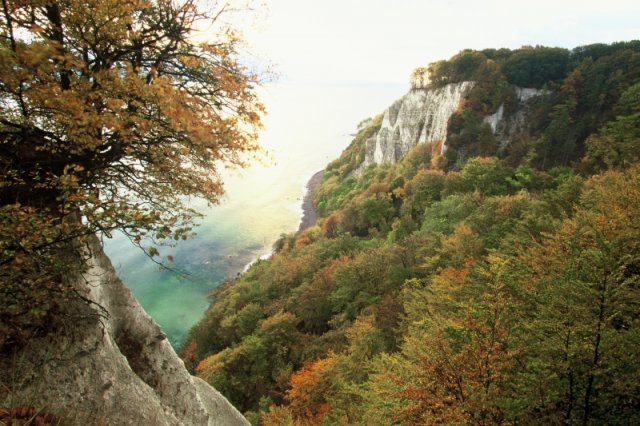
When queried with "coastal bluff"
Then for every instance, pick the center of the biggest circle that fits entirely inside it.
(110, 364)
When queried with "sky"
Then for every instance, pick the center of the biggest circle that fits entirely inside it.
(381, 41)
(339, 61)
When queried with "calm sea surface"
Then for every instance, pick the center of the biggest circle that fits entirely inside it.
(307, 126)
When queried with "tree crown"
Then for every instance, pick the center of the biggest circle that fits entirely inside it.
(111, 116)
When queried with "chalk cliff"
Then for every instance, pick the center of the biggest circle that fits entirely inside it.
(112, 365)
(505, 128)
(420, 116)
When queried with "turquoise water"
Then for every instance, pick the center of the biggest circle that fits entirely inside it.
(229, 237)
(306, 128)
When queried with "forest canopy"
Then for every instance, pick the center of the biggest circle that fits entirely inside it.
(109, 120)
(498, 283)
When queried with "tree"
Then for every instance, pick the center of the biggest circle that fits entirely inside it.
(535, 66)
(487, 175)
(363, 281)
(584, 336)
(421, 191)
(260, 364)
(419, 78)
(109, 120)
(309, 387)
(618, 142)
(310, 302)
(456, 356)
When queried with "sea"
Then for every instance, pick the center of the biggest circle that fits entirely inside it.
(307, 126)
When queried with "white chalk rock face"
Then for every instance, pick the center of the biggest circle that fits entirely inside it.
(505, 128)
(113, 364)
(421, 116)
(494, 119)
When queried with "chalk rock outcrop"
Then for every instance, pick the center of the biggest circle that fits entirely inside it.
(111, 364)
(420, 116)
(505, 128)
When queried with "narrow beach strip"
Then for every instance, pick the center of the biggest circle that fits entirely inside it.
(309, 213)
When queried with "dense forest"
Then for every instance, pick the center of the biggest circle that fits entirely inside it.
(497, 283)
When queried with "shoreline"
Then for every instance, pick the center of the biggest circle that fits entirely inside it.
(309, 213)
(307, 220)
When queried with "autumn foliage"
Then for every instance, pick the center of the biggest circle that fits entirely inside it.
(108, 120)
(308, 389)
(496, 284)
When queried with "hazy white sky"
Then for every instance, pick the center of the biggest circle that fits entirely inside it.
(340, 61)
(381, 41)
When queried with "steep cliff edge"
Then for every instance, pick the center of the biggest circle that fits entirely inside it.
(421, 116)
(111, 364)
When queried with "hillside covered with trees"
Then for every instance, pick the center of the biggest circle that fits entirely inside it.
(497, 283)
